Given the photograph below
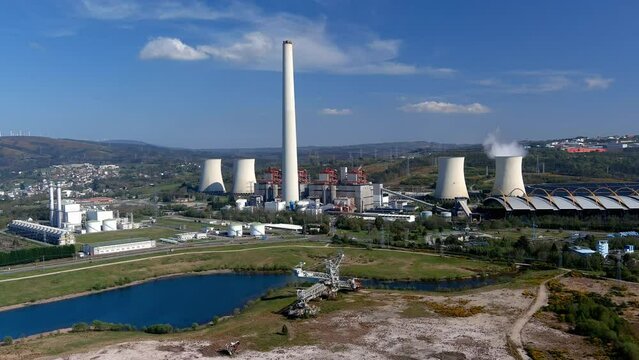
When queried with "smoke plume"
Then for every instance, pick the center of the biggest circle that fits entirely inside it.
(493, 147)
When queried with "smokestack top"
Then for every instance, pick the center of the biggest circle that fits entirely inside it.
(287, 42)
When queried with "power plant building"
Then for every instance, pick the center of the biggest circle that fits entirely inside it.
(112, 247)
(47, 234)
(451, 183)
(211, 178)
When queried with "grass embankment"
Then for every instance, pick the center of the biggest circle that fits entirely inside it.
(381, 264)
(153, 233)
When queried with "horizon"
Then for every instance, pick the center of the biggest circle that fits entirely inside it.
(205, 75)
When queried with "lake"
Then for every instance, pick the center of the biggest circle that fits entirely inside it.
(179, 301)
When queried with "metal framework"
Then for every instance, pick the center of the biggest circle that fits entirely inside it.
(328, 285)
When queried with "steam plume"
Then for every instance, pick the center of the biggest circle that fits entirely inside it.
(493, 147)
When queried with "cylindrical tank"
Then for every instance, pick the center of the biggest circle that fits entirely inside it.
(243, 176)
(258, 229)
(333, 193)
(109, 225)
(234, 230)
(447, 215)
(94, 226)
(508, 176)
(211, 178)
(240, 204)
(426, 214)
(451, 183)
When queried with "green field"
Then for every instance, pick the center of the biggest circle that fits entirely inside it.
(150, 233)
(381, 264)
(189, 225)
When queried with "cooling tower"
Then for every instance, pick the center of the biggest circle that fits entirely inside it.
(451, 183)
(508, 178)
(290, 181)
(211, 177)
(243, 176)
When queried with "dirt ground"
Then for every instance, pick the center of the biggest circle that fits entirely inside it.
(402, 326)
(551, 338)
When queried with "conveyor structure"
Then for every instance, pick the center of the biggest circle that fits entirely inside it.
(328, 285)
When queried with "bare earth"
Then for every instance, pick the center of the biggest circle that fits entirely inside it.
(403, 326)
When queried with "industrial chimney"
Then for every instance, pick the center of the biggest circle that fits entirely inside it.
(59, 210)
(290, 181)
(509, 179)
(52, 220)
(243, 177)
(451, 183)
(211, 178)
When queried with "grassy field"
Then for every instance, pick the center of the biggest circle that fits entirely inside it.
(150, 233)
(359, 262)
(189, 225)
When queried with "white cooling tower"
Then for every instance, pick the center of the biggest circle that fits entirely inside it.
(211, 178)
(508, 178)
(451, 183)
(244, 176)
(290, 181)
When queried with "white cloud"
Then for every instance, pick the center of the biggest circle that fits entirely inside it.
(251, 39)
(597, 82)
(544, 81)
(169, 48)
(336, 112)
(445, 108)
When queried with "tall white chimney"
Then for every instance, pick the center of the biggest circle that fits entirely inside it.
(52, 219)
(290, 181)
(59, 213)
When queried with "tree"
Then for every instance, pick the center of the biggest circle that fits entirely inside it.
(8, 340)
(379, 223)
(284, 330)
(523, 244)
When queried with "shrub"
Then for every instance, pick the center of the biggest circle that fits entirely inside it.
(80, 327)
(159, 329)
(8, 340)
(284, 330)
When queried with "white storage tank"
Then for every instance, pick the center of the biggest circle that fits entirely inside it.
(109, 225)
(240, 204)
(258, 229)
(234, 230)
(447, 215)
(426, 214)
(94, 226)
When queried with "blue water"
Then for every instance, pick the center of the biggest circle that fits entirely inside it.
(179, 301)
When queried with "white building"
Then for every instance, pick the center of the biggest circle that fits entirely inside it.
(602, 247)
(112, 247)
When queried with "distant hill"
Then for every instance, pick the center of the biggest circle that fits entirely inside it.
(28, 152)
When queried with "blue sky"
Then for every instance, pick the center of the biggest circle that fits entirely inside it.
(204, 74)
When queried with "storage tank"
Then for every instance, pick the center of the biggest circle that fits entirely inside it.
(451, 183)
(234, 230)
(446, 215)
(508, 176)
(109, 225)
(240, 204)
(258, 229)
(426, 214)
(243, 176)
(94, 226)
(211, 178)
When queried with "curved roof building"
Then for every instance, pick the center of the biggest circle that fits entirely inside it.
(211, 178)
(451, 183)
(244, 176)
(508, 179)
